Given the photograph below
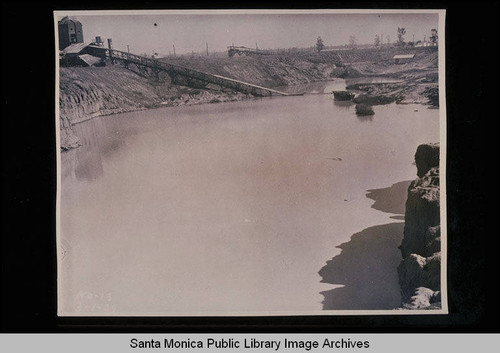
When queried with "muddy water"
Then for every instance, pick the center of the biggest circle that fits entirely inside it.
(371, 80)
(320, 87)
(225, 208)
(337, 84)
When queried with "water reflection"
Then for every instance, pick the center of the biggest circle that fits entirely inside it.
(371, 80)
(369, 284)
(391, 199)
(321, 87)
(367, 269)
(365, 118)
(101, 139)
(89, 167)
(248, 198)
(346, 105)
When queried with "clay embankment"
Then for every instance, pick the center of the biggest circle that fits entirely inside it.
(89, 92)
(86, 93)
(268, 71)
(420, 271)
(96, 91)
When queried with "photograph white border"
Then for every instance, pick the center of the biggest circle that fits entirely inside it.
(443, 124)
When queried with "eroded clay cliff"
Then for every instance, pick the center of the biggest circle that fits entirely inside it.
(420, 270)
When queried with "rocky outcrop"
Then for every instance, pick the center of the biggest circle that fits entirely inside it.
(343, 95)
(426, 157)
(67, 138)
(364, 109)
(420, 271)
(417, 273)
(373, 99)
(422, 215)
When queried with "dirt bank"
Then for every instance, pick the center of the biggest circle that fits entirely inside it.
(420, 270)
(96, 91)
(268, 71)
(89, 92)
(418, 79)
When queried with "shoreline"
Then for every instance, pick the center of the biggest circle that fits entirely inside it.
(90, 92)
(416, 241)
(162, 107)
(157, 137)
(373, 283)
(240, 97)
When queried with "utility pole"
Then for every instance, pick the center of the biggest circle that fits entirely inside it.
(174, 49)
(207, 48)
(128, 49)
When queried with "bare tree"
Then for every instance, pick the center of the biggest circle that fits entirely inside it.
(401, 33)
(319, 44)
(434, 36)
(377, 40)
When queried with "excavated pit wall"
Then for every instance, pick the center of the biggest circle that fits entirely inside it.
(420, 270)
(86, 93)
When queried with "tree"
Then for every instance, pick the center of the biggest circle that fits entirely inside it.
(401, 33)
(434, 36)
(319, 44)
(377, 40)
(352, 42)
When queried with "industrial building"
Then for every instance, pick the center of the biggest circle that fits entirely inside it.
(70, 32)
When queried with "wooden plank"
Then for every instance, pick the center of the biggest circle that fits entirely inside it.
(252, 85)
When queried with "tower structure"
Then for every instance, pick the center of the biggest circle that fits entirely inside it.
(70, 32)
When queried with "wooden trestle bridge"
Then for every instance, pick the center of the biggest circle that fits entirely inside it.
(144, 64)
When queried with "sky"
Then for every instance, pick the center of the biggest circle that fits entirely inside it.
(159, 32)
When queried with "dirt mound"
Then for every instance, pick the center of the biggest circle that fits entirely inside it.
(268, 71)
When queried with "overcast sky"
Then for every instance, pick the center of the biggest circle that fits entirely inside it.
(146, 33)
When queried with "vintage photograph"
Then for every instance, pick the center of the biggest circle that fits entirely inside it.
(250, 163)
